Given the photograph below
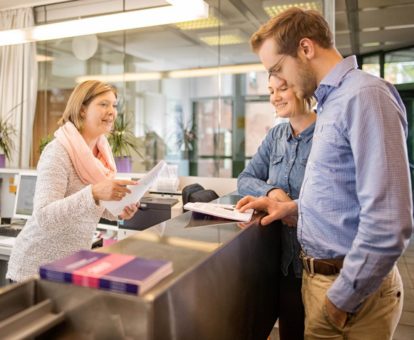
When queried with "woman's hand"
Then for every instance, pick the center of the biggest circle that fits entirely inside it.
(111, 189)
(129, 211)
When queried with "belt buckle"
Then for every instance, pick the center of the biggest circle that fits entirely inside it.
(309, 268)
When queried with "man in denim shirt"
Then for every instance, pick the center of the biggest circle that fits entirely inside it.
(355, 205)
(277, 170)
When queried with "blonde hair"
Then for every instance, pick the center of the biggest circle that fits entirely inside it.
(81, 96)
(290, 27)
(303, 105)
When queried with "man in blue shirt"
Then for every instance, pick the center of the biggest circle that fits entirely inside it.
(355, 206)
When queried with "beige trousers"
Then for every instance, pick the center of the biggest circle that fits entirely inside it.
(377, 318)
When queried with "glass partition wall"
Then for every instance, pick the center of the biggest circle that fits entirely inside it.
(192, 93)
(177, 89)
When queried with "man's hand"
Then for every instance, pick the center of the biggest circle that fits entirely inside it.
(275, 210)
(281, 196)
(278, 195)
(336, 315)
(290, 221)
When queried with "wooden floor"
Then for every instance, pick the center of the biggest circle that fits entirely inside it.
(405, 329)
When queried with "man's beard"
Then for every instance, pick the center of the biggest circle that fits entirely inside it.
(306, 81)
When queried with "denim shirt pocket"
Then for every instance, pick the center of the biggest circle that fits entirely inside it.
(276, 170)
(276, 159)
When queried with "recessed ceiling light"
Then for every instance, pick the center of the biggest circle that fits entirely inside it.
(273, 8)
(231, 37)
(40, 58)
(371, 29)
(371, 44)
(399, 27)
(210, 22)
(187, 73)
(223, 39)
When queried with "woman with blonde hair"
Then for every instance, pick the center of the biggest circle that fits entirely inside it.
(277, 171)
(75, 172)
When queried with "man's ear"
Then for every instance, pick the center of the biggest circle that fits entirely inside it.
(307, 48)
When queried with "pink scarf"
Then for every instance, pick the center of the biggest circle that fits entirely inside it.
(89, 168)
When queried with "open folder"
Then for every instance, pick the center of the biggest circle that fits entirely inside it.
(137, 191)
(227, 211)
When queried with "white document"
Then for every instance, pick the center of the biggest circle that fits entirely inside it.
(137, 191)
(227, 211)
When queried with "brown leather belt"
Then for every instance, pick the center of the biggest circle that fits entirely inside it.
(321, 266)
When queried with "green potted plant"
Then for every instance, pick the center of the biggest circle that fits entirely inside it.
(123, 142)
(7, 131)
(44, 141)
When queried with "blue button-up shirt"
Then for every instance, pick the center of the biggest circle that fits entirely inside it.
(280, 162)
(356, 195)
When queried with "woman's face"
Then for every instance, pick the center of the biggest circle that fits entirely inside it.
(99, 115)
(282, 98)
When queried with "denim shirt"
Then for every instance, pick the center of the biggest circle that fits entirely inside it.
(280, 162)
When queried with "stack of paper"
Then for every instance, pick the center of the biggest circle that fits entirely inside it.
(114, 272)
(227, 211)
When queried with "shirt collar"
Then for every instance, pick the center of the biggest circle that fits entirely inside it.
(289, 133)
(334, 77)
(305, 135)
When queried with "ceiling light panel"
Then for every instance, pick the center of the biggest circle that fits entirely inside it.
(177, 12)
(187, 73)
(273, 8)
(224, 39)
(210, 22)
(40, 58)
(232, 37)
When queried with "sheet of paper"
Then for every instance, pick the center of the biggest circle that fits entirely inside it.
(137, 191)
(227, 211)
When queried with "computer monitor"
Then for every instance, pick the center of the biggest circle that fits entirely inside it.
(23, 205)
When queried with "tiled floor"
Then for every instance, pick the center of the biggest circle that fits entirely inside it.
(405, 329)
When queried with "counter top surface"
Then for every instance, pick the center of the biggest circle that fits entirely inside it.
(186, 240)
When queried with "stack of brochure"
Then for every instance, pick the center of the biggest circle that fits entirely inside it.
(227, 211)
(114, 272)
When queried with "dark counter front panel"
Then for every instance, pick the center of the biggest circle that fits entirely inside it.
(232, 294)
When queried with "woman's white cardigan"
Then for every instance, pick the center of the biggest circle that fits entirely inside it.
(64, 218)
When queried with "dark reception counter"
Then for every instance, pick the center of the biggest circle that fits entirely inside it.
(224, 286)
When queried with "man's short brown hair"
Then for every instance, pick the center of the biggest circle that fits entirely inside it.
(290, 27)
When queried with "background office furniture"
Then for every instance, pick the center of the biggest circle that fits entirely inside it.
(152, 210)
